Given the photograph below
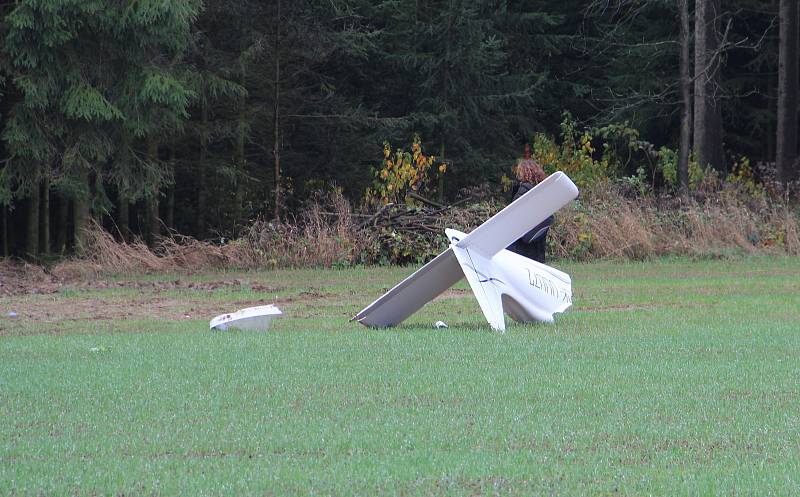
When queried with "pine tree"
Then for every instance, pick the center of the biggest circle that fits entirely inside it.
(93, 76)
(447, 76)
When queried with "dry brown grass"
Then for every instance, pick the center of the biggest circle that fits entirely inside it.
(103, 254)
(603, 223)
(324, 235)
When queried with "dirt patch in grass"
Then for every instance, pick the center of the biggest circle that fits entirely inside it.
(314, 295)
(160, 286)
(637, 307)
(42, 303)
(61, 315)
(17, 278)
(453, 293)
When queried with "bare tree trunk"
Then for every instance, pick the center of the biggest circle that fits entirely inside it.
(701, 83)
(707, 117)
(62, 220)
(123, 217)
(5, 230)
(200, 216)
(445, 86)
(686, 97)
(771, 128)
(169, 215)
(44, 235)
(276, 135)
(440, 186)
(241, 138)
(81, 213)
(786, 139)
(153, 220)
(151, 202)
(32, 226)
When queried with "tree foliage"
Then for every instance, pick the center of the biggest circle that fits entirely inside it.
(203, 116)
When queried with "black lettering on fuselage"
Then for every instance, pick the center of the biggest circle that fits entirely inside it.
(544, 284)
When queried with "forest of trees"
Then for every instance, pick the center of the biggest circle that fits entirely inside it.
(199, 117)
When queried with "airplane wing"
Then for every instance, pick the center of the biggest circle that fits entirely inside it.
(412, 293)
(505, 227)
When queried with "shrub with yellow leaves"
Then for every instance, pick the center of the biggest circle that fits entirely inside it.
(743, 177)
(402, 172)
(574, 155)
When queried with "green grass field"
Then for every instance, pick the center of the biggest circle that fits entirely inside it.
(671, 377)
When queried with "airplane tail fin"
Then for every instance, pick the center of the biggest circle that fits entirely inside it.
(487, 290)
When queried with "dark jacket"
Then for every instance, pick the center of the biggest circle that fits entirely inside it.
(533, 243)
(520, 188)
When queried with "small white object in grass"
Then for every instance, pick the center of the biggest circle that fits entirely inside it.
(256, 318)
(440, 324)
(12, 314)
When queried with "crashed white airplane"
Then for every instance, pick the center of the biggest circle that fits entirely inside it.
(500, 279)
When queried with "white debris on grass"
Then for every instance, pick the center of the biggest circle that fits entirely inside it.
(257, 318)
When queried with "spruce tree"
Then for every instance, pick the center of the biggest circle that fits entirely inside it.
(88, 75)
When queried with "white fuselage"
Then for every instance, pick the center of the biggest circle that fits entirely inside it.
(526, 290)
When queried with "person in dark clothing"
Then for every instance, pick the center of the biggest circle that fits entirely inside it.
(532, 244)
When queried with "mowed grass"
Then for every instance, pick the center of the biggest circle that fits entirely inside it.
(672, 377)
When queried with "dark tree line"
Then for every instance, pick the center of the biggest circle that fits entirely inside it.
(199, 117)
